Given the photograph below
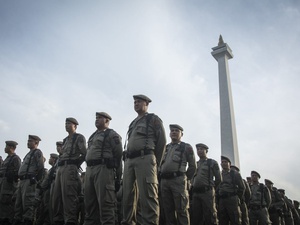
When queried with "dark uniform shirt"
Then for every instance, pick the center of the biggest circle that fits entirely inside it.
(152, 137)
(74, 148)
(33, 164)
(232, 183)
(177, 158)
(207, 175)
(10, 167)
(111, 148)
(260, 195)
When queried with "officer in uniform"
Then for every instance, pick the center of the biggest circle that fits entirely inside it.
(8, 182)
(260, 201)
(175, 177)
(244, 201)
(44, 215)
(59, 145)
(67, 185)
(207, 178)
(249, 181)
(277, 204)
(53, 173)
(30, 173)
(296, 212)
(287, 209)
(103, 172)
(229, 193)
(146, 146)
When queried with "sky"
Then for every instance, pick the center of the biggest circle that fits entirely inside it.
(68, 58)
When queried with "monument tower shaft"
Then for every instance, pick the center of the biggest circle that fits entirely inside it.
(229, 147)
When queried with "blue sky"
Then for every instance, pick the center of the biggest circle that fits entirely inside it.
(73, 58)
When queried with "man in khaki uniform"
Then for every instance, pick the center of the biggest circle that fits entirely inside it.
(175, 177)
(43, 217)
(229, 193)
(30, 173)
(8, 182)
(260, 201)
(287, 209)
(296, 212)
(207, 178)
(67, 185)
(103, 172)
(146, 145)
(59, 145)
(277, 204)
(244, 201)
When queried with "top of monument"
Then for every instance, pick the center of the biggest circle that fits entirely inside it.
(221, 42)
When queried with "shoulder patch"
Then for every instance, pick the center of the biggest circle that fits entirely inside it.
(189, 149)
(80, 137)
(116, 139)
(38, 153)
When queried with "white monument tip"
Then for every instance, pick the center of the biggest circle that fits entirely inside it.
(221, 42)
(222, 49)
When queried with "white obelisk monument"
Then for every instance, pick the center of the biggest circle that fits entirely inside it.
(229, 147)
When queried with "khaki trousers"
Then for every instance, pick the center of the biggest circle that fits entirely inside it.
(140, 184)
(99, 195)
(65, 194)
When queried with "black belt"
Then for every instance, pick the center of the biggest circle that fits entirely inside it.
(202, 189)
(67, 162)
(227, 195)
(95, 162)
(27, 176)
(135, 154)
(256, 207)
(171, 175)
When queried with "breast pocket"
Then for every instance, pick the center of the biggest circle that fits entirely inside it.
(99, 140)
(141, 130)
(177, 156)
(204, 170)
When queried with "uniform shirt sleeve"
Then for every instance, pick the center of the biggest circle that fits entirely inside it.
(190, 158)
(247, 193)
(240, 185)
(117, 151)
(81, 144)
(267, 195)
(160, 138)
(217, 173)
(38, 155)
(16, 163)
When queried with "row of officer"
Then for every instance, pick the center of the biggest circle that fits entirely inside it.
(146, 158)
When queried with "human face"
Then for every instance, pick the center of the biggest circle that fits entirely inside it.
(101, 122)
(31, 144)
(58, 149)
(225, 164)
(140, 106)
(7, 149)
(51, 161)
(70, 127)
(175, 134)
(202, 152)
(254, 178)
(269, 185)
